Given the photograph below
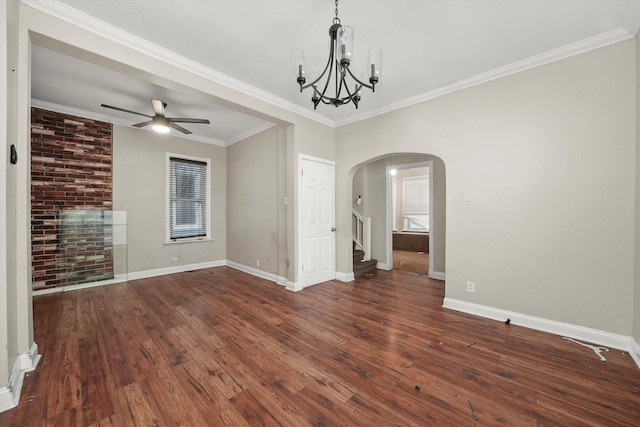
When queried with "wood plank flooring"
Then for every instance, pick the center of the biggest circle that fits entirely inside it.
(220, 347)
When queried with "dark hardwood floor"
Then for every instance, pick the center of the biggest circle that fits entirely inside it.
(220, 347)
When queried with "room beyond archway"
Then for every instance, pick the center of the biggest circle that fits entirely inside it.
(373, 202)
(409, 197)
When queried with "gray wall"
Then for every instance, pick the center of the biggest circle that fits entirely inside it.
(254, 201)
(540, 170)
(139, 188)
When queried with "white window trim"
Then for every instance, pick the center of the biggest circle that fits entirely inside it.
(167, 239)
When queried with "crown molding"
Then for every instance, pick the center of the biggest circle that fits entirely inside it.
(572, 49)
(249, 133)
(630, 28)
(114, 120)
(632, 20)
(87, 22)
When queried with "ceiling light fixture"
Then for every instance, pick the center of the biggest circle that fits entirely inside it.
(160, 124)
(340, 54)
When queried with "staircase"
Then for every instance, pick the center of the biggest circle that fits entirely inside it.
(362, 263)
(360, 267)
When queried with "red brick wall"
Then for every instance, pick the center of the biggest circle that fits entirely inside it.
(71, 199)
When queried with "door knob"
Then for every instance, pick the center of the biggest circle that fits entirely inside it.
(333, 229)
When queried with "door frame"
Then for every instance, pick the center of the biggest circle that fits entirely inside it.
(301, 282)
(389, 233)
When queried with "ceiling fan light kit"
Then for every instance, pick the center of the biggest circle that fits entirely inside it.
(160, 122)
(338, 65)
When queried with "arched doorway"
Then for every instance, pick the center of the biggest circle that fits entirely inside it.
(372, 199)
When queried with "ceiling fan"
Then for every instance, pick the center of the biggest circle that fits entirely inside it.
(160, 122)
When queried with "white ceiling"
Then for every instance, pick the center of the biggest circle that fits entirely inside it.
(429, 47)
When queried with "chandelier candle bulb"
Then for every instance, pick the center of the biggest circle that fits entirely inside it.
(299, 66)
(374, 64)
(345, 37)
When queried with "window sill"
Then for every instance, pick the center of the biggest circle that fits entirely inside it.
(177, 242)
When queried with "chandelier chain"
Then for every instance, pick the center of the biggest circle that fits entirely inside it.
(336, 20)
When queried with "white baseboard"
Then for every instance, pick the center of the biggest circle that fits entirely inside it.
(172, 270)
(298, 286)
(345, 277)
(177, 269)
(27, 362)
(294, 286)
(582, 333)
(635, 352)
(120, 278)
(384, 266)
(438, 275)
(258, 273)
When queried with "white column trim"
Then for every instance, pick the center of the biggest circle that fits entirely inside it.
(27, 362)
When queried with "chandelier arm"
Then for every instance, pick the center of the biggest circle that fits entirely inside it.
(344, 100)
(340, 83)
(358, 80)
(329, 100)
(316, 80)
(326, 85)
(352, 96)
(326, 67)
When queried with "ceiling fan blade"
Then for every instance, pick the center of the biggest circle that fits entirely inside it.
(158, 107)
(188, 120)
(143, 124)
(180, 128)
(122, 109)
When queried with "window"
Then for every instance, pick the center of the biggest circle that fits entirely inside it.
(188, 198)
(416, 204)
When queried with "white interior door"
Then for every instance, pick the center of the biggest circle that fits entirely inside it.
(317, 221)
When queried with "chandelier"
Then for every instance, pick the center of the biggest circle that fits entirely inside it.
(346, 87)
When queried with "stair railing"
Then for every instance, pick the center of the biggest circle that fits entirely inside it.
(361, 233)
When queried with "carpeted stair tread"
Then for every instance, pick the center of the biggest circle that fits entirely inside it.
(363, 268)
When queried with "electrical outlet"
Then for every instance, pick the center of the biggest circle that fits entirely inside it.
(471, 287)
(258, 263)
(175, 259)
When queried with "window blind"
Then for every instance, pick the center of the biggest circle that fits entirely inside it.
(187, 198)
(416, 196)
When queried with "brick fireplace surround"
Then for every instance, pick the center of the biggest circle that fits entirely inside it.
(71, 200)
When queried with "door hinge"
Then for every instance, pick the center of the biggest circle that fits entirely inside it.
(301, 172)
